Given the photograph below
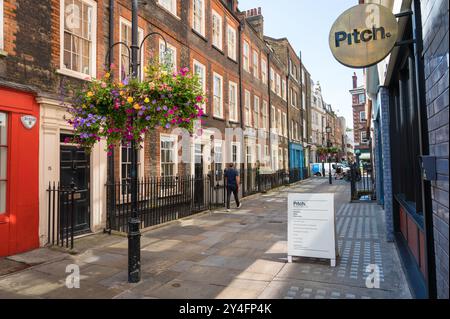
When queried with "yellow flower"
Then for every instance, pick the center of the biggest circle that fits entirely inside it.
(147, 100)
(90, 94)
(137, 106)
(130, 100)
(145, 69)
(83, 106)
(107, 75)
(122, 93)
(121, 85)
(164, 73)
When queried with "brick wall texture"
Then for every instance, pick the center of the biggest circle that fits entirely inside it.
(435, 20)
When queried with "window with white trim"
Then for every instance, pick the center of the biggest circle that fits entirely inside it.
(200, 71)
(247, 108)
(280, 124)
(246, 54)
(125, 172)
(78, 37)
(278, 84)
(198, 16)
(304, 130)
(285, 128)
(235, 153)
(280, 158)
(216, 30)
(273, 119)
(218, 95)
(124, 60)
(362, 116)
(364, 139)
(3, 161)
(1, 26)
(256, 116)
(272, 79)
(169, 5)
(274, 158)
(266, 154)
(218, 160)
(304, 100)
(232, 96)
(264, 71)
(168, 57)
(231, 40)
(168, 155)
(265, 110)
(283, 89)
(256, 64)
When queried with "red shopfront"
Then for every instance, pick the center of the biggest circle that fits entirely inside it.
(19, 172)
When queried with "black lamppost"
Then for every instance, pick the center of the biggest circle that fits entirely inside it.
(329, 145)
(134, 234)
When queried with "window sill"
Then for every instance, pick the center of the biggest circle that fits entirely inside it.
(218, 49)
(232, 60)
(168, 11)
(201, 36)
(3, 53)
(219, 118)
(75, 75)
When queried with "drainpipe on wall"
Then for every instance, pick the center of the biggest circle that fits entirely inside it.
(110, 163)
(288, 118)
(270, 109)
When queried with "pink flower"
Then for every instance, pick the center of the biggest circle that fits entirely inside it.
(104, 85)
(199, 98)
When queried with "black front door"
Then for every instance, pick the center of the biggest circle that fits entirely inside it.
(75, 168)
(199, 178)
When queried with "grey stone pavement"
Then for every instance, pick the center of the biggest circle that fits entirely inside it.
(237, 255)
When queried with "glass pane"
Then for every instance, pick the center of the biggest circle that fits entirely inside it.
(3, 129)
(3, 162)
(2, 197)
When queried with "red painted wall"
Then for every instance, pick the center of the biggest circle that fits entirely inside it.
(19, 227)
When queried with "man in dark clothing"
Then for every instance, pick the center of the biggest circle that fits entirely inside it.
(232, 181)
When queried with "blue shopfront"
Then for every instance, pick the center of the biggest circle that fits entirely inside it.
(297, 158)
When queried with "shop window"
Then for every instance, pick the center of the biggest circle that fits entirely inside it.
(3, 161)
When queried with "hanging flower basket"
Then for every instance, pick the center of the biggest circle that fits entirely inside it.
(122, 112)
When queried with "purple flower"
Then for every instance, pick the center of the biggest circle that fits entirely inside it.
(148, 118)
(165, 108)
(167, 125)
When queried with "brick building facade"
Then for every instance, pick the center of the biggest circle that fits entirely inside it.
(51, 46)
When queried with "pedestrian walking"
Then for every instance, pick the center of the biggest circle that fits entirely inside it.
(232, 181)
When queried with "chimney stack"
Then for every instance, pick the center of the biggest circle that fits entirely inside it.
(355, 80)
(256, 19)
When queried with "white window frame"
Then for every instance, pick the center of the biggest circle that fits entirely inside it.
(257, 107)
(217, 115)
(231, 43)
(141, 166)
(283, 89)
(172, 10)
(235, 102)
(279, 123)
(273, 119)
(265, 110)
(174, 139)
(303, 100)
(219, 144)
(203, 79)
(169, 47)
(285, 123)
(93, 57)
(238, 153)
(219, 44)
(2, 41)
(255, 64)
(364, 140)
(123, 21)
(264, 71)
(272, 80)
(202, 30)
(361, 117)
(246, 55)
(278, 85)
(247, 105)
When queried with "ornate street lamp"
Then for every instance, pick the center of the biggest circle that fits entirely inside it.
(134, 235)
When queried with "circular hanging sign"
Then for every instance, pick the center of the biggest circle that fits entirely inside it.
(363, 35)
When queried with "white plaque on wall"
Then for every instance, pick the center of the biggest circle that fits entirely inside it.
(28, 121)
(311, 226)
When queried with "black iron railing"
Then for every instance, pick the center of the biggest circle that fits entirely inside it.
(165, 199)
(61, 215)
(362, 184)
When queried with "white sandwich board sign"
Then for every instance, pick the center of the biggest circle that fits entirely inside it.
(311, 226)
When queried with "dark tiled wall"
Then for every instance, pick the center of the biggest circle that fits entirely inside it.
(435, 22)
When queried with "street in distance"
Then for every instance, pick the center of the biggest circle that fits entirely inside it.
(227, 309)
